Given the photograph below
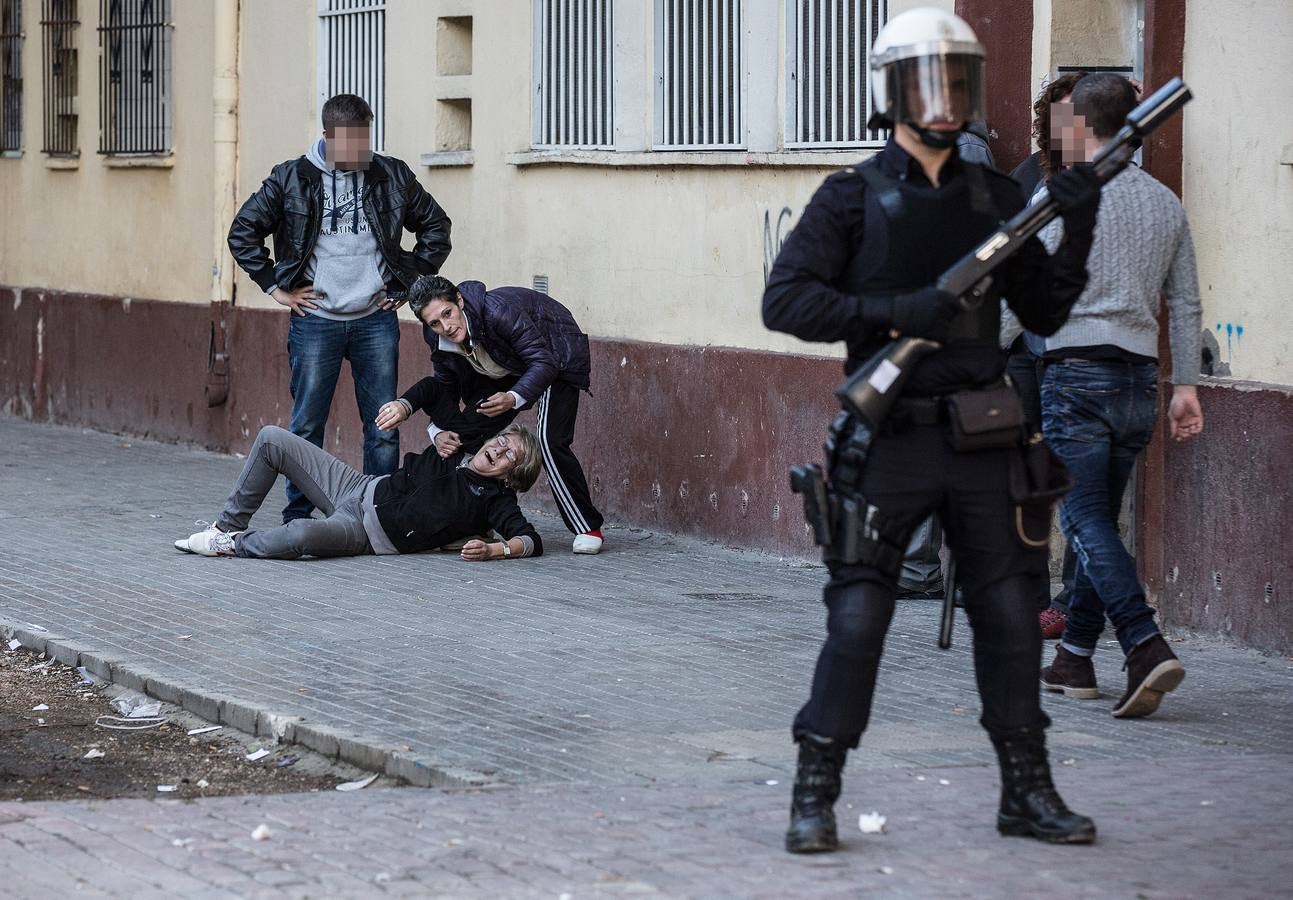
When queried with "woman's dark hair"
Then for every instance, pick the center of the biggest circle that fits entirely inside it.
(346, 110)
(429, 288)
(1054, 92)
(1104, 99)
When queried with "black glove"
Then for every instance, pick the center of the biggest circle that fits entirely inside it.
(925, 313)
(1077, 194)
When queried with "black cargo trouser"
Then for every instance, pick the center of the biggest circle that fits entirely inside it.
(910, 475)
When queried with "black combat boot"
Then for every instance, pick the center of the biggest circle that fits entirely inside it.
(1030, 805)
(817, 787)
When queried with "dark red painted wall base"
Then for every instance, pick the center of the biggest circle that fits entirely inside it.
(688, 439)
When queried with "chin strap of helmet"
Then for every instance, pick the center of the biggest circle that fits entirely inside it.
(939, 140)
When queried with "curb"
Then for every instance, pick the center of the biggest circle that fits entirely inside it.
(246, 716)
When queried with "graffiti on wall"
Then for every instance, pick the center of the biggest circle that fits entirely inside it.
(1215, 360)
(775, 232)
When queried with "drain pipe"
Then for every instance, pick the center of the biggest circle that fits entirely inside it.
(224, 95)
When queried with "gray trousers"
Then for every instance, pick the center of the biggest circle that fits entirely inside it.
(330, 485)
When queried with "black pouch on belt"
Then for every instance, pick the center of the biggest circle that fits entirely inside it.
(986, 418)
(1038, 479)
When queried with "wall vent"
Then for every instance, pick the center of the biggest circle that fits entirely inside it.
(541, 283)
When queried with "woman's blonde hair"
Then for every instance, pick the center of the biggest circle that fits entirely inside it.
(526, 472)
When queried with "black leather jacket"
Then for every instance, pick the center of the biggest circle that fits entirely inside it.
(289, 206)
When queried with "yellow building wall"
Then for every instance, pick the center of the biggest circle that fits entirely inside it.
(138, 232)
(1238, 194)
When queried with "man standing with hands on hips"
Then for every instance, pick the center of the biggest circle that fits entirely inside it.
(337, 215)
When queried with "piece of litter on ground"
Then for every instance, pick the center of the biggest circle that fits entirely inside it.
(134, 705)
(205, 729)
(86, 677)
(772, 782)
(41, 665)
(886, 870)
(287, 761)
(920, 777)
(259, 754)
(357, 785)
(382, 877)
(203, 783)
(181, 842)
(117, 723)
(261, 833)
(40, 722)
(35, 627)
(871, 823)
(183, 637)
(944, 781)
(240, 456)
(94, 753)
(38, 707)
(154, 515)
(15, 644)
(167, 788)
(146, 711)
(1067, 762)
(1206, 802)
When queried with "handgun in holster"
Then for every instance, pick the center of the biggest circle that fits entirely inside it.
(807, 480)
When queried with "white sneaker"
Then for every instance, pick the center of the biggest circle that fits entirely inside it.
(208, 543)
(587, 543)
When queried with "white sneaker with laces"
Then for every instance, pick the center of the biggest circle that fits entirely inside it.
(587, 543)
(208, 543)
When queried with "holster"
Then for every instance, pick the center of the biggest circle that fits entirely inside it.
(1038, 480)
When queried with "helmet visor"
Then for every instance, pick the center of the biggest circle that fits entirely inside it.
(937, 90)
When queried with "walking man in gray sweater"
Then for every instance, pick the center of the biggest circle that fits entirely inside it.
(1100, 397)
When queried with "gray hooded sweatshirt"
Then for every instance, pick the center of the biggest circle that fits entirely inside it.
(346, 266)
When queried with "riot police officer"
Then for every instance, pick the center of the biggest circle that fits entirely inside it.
(859, 267)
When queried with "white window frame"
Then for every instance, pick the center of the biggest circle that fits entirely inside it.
(669, 74)
(800, 59)
(589, 97)
(360, 24)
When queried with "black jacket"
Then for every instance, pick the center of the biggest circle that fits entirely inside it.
(845, 249)
(430, 501)
(289, 206)
(525, 332)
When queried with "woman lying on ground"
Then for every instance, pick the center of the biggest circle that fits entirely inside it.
(427, 503)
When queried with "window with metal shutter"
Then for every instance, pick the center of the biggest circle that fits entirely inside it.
(135, 76)
(352, 56)
(828, 96)
(573, 73)
(699, 77)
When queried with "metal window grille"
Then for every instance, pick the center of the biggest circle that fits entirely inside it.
(135, 76)
(11, 74)
(58, 28)
(352, 56)
(828, 96)
(700, 81)
(574, 70)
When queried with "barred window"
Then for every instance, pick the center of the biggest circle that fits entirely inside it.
(828, 97)
(135, 76)
(700, 82)
(11, 74)
(58, 29)
(352, 56)
(573, 69)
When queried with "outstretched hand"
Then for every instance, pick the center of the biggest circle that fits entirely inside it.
(477, 550)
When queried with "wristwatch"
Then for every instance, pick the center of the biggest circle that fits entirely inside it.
(507, 550)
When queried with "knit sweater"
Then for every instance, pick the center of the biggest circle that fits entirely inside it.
(1142, 249)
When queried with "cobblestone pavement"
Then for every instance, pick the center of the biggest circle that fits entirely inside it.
(664, 671)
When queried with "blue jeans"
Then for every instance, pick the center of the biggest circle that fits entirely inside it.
(1098, 416)
(315, 348)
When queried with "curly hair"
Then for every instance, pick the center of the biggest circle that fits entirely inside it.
(428, 288)
(522, 478)
(1054, 91)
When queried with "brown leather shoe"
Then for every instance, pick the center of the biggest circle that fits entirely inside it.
(1152, 671)
(1072, 674)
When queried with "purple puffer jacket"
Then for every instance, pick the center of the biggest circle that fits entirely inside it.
(523, 331)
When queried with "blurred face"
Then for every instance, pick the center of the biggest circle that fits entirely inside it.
(446, 319)
(1069, 132)
(498, 457)
(348, 147)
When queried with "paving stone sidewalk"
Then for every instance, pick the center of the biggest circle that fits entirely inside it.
(665, 670)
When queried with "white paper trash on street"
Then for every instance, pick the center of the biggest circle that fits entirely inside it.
(357, 785)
